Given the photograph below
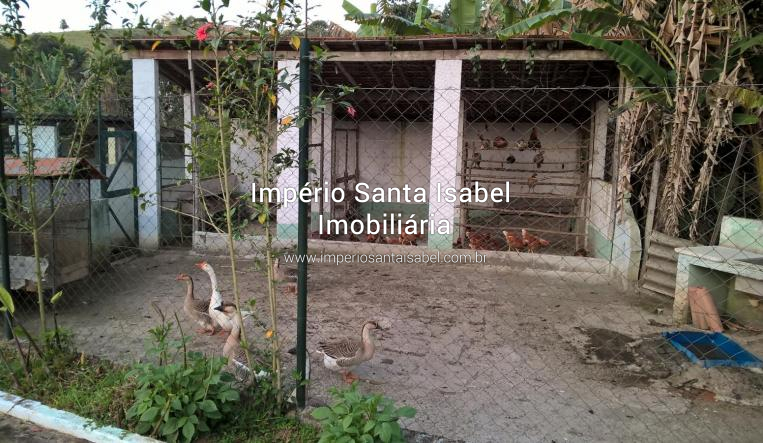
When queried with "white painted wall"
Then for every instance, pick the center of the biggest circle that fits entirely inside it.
(45, 139)
(322, 120)
(392, 154)
(599, 139)
(447, 139)
(560, 144)
(288, 107)
(600, 211)
(145, 86)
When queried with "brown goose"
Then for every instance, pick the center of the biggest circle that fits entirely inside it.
(287, 275)
(196, 310)
(236, 355)
(343, 355)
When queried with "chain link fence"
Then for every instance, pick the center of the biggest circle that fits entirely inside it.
(544, 315)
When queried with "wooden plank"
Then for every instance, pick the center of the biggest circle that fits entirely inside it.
(521, 212)
(519, 228)
(391, 56)
(651, 209)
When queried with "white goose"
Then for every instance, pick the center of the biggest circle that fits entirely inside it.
(222, 314)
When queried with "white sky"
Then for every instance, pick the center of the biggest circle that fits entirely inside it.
(46, 15)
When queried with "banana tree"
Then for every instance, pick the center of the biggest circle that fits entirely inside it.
(685, 90)
(464, 18)
(383, 23)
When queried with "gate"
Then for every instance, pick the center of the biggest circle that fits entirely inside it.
(117, 157)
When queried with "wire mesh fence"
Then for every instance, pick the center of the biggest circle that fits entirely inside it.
(533, 316)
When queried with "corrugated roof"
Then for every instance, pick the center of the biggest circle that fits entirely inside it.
(78, 168)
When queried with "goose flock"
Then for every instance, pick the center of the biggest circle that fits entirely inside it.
(215, 316)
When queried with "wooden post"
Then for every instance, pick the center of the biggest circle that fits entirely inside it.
(650, 209)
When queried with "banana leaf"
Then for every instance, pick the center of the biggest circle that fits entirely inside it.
(533, 22)
(465, 15)
(631, 56)
(393, 24)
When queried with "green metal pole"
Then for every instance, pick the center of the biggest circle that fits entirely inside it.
(304, 134)
(5, 266)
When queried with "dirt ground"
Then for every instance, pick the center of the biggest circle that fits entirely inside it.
(484, 353)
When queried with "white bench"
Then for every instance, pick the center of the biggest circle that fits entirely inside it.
(731, 271)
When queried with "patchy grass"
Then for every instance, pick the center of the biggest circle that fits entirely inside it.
(86, 386)
(101, 391)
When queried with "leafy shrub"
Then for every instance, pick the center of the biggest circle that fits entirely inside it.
(177, 401)
(354, 416)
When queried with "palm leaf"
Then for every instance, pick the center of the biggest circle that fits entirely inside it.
(465, 14)
(741, 46)
(391, 23)
(748, 98)
(533, 22)
(420, 11)
(744, 119)
(630, 56)
(603, 19)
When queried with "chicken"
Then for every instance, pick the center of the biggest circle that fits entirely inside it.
(510, 159)
(521, 144)
(316, 235)
(513, 241)
(354, 238)
(532, 181)
(372, 238)
(532, 242)
(534, 142)
(582, 252)
(409, 239)
(391, 240)
(476, 160)
(483, 241)
(484, 143)
(538, 159)
(500, 142)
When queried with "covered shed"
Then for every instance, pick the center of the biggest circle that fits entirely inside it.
(452, 110)
(63, 210)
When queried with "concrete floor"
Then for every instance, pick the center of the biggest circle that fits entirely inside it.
(484, 353)
(13, 430)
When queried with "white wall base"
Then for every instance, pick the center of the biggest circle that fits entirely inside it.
(64, 422)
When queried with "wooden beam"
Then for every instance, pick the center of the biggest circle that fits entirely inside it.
(179, 75)
(346, 74)
(393, 56)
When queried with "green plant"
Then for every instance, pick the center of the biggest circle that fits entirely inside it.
(354, 416)
(178, 401)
